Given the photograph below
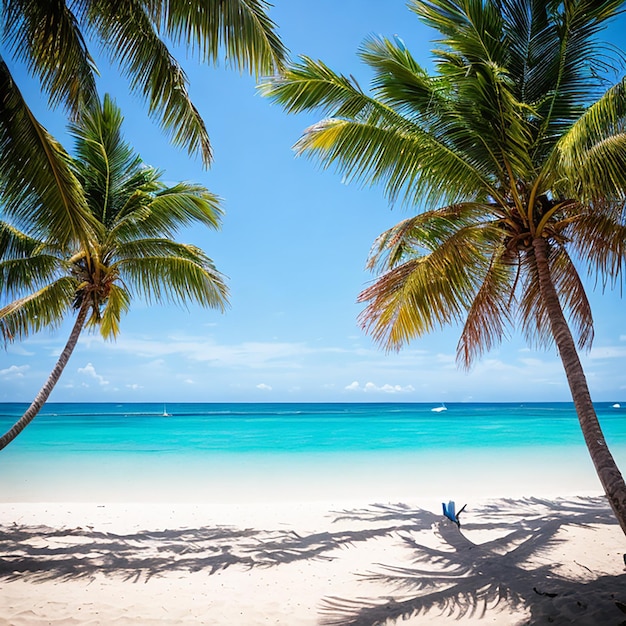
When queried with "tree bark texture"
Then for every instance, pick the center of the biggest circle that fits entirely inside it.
(609, 474)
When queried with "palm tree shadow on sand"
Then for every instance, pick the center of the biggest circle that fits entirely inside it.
(455, 574)
(460, 578)
(40, 553)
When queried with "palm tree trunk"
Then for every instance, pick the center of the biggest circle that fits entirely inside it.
(609, 474)
(46, 390)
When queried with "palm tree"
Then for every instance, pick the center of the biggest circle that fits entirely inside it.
(514, 151)
(127, 248)
(53, 40)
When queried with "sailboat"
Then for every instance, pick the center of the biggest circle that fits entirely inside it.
(438, 409)
(165, 413)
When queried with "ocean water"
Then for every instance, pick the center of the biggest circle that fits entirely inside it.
(224, 452)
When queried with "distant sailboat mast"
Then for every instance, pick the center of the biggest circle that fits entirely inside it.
(165, 413)
(438, 409)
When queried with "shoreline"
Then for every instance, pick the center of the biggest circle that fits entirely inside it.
(337, 562)
(549, 472)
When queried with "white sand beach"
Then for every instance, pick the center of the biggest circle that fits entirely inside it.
(513, 561)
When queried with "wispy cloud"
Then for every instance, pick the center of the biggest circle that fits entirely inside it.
(248, 354)
(14, 371)
(264, 387)
(607, 352)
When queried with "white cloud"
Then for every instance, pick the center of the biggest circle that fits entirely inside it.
(134, 386)
(371, 387)
(264, 387)
(90, 371)
(14, 371)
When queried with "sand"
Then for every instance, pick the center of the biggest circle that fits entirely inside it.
(522, 561)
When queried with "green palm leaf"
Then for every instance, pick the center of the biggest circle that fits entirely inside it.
(413, 166)
(18, 274)
(189, 277)
(591, 156)
(152, 71)
(46, 36)
(309, 84)
(45, 308)
(37, 185)
(15, 244)
(241, 27)
(430, 103)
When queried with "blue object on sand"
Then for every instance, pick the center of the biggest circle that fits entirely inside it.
(449, 511)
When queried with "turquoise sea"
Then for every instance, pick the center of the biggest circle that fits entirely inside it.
(180, 451)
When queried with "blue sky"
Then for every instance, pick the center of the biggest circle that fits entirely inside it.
(293, 245)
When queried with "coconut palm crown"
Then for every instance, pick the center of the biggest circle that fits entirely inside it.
(513, 149)
(126, 250)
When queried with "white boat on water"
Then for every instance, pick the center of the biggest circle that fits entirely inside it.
(617, 405)
(438, 409)
(165, 413)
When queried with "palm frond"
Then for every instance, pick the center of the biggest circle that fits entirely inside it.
(153, 248)
(163, 214)
(308, 85)
(38, 188)
(591, 157)
(46, 36)
(598, 236)
(411, 165)
(433, 103)
(21, 275)
(424, 232)
(15, 244)
(133, 42)
(241, 28)
(45, 308)
(183, 278)
(574, 86)
(532, 47)
(402, 82)
(427, 291)
(409, 110)
(186, 203)
(492, 310)
(105, 165)
(472, 29)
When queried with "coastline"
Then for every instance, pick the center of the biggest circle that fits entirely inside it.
(369, 476)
